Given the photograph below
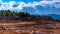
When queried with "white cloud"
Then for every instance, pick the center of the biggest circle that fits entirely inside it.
(8, 5)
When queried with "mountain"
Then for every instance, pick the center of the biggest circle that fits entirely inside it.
(54, 16)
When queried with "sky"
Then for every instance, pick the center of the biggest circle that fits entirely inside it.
(32, 6)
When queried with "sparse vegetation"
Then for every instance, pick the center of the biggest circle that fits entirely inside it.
(43, 24)
(12, 15)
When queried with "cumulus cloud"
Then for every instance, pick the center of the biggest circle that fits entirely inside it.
(20, 5)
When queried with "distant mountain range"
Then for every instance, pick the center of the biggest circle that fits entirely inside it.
(54, 16)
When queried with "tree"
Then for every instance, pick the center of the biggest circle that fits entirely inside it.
(21, 14)
(27, 14)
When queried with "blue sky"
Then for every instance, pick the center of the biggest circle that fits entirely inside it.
(32, 6)
(26, 1)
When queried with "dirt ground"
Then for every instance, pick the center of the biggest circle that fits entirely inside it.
(17, 28)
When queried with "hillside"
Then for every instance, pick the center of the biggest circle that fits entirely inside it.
(30, 27)
(55, 16)
(6, 15)
(25, 23)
